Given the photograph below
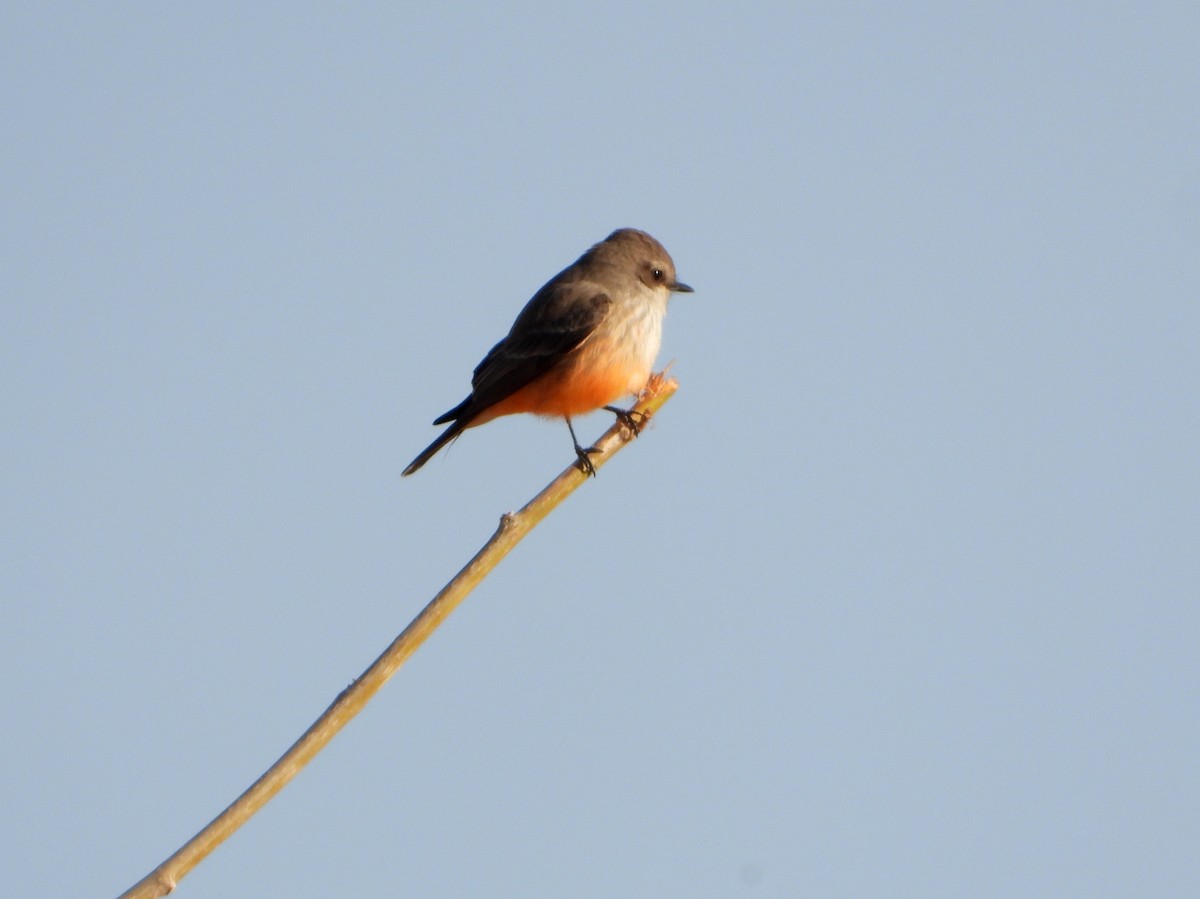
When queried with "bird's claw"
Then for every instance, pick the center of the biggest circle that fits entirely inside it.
(585, 462)
(631, 418)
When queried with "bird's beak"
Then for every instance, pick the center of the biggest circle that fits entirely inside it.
(680, 287)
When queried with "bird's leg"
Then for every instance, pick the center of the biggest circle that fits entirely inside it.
(631, 418)
(584, 462)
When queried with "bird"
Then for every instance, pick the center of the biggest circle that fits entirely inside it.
(587, 338)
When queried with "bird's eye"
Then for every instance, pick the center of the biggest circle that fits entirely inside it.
(657, 274)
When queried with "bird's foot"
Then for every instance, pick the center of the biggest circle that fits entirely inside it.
(631, 418)
(585, 462)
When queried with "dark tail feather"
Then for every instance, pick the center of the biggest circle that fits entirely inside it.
(459, 411)
(428, 453)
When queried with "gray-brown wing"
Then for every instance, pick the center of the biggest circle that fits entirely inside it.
(557, 320)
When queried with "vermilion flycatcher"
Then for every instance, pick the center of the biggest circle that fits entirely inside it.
(587, 338)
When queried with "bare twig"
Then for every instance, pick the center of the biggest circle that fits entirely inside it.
(513, 527)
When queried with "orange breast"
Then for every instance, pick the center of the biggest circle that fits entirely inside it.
(596, 375)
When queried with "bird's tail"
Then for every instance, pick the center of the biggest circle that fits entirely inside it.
(428, 453)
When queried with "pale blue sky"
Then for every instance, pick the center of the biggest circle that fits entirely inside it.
(898, 597)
